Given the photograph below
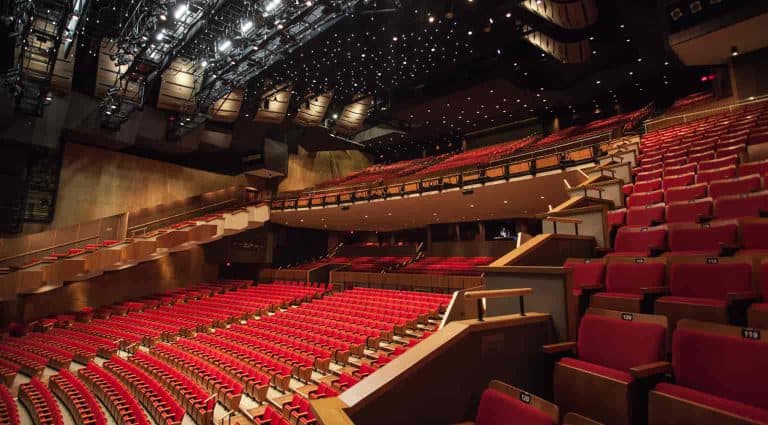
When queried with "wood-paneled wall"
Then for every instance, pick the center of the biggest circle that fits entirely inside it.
(97, 183)
(176, 270)
(307, 169)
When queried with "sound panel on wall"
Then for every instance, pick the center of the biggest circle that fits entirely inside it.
(108, 74)
(312, 109)
(273, 106)
(571, 52)
(178, 87)
(227, 109)
(353, 116)
(569, 14)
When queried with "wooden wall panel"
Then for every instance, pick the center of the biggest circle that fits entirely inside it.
(178, 87)
(107, 73)
(279, 98)
(314, 115)
(227, 109)
(176, 270)
(97, 183)
(64, 69)
(307, 169)
(572, 52)
(569, 14)
(352, 117)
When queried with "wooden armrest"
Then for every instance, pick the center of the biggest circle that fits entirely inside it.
(560, 347)
(651, 369)
(655, 290)
(742, 296)
(564, 220)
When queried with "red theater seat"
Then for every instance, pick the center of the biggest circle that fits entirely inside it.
(708, 289)
(686, 170)
(646, 216)
(701, 239)
(632, 286)
(504, 404)
(685, 193)
(757, 167)
(617, 217)
(639, 241)
(754, 237)
(715, 377)
(747, 205)
(719, 163)
(647, 186)
(716, 174)
(735, 186)
(613, 351)
(638, 199)
(688, 211)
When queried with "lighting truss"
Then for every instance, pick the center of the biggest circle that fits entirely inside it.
(278, 27)
(41, 29)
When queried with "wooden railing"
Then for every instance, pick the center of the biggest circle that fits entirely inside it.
(577, 152)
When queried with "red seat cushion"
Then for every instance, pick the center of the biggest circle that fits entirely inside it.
(607, 372)
(499, 408)
(698, 238)
(714, 402)
(586, 273)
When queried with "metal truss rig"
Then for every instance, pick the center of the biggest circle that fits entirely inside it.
(280, 29)
(42, 29)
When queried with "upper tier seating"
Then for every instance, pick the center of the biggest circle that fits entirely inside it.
(614, 351)
(502, 404)
(447, 265)
(715, 377)
(357, 264)
(687, 103)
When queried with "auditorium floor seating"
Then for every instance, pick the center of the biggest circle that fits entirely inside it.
(200, 352)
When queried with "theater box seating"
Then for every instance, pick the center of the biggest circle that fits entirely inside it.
(504, 404)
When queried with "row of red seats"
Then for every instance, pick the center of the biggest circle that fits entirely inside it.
(221, 385)
(104, 347)
(8, 371)
(29, 363)
(82, 351)
(695, 99)
(716, 289)
(622, 355)
(9, 413)
(353, 334)
(447, 265)
(40, 403)
(118, 400)
(255, 383)
(80, 402)
(195, 400)
(55, 357)
(415, 307)
(126, 340)
(298, 411)
(745, 237)
(442, 299)
(686, 175)
(161, 405)
(234, 344)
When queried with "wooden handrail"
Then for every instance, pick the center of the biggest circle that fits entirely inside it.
(480, 295)
(52, 247)
(497, 293)
(564, 220)
(174, 216)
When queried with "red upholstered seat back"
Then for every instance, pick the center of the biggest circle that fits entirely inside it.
(688, 210)
(709, 280)
(696, 238)
(630, 277)
(685, 193)
(754, 235)
(632, 240)
(497, 408)
(645, 216)
(726, 366)
(764, 281)
(620, 344)
(735, 186)
(584, 274)
(741, 205)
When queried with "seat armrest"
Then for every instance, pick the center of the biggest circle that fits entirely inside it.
(745, 296)
(655, 290)
(651, 369)
(560, 347)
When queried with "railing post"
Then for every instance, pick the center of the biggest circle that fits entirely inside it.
(480, 309)
(522, 305)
